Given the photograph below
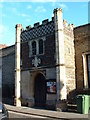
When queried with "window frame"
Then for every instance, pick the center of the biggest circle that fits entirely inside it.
(34, 48)
(41, 48)
(37, 46)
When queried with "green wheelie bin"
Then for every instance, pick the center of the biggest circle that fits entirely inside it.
(83, 104)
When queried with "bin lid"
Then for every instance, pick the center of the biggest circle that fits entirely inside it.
(82, 96)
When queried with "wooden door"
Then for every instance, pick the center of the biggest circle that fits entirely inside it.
(40, 91)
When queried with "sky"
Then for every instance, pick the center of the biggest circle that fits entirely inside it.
(28, 13)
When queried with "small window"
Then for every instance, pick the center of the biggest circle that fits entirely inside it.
(33, 48)
(40, 46)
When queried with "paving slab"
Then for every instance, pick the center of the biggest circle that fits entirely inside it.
(48, 113)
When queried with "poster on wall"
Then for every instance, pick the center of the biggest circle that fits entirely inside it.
(51, 87)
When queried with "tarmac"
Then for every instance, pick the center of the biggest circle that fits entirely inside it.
(48, 113)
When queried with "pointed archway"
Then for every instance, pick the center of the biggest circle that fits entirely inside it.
(40, 90)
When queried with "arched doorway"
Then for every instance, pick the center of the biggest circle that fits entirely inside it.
(40, 90)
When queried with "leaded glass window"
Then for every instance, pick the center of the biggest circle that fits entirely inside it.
(40, 46)
(33, 48)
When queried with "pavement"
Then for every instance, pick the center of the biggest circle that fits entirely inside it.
(48, 113)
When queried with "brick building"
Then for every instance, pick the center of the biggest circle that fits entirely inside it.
(82, 58)
(48, 64)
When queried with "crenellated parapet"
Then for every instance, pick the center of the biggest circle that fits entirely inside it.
(46, 27)
(68, 26)
(28, 27)
(38, 30)
(65, 23)
(37, 24)
(46, 21)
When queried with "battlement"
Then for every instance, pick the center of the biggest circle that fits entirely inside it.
(57, 9)
(46, 27)
(28, 27)
(18, 25)
(68, 26)
(36, 24)
(46, 21)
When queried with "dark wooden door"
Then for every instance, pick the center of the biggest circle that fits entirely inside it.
(40, 90)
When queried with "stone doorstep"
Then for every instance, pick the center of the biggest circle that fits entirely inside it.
(46, 113)
(61, 106)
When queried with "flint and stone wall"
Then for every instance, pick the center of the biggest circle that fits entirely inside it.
(8, 74)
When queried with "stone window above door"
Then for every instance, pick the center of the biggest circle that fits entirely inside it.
(41, 46)
(34, 50)
(37, 47)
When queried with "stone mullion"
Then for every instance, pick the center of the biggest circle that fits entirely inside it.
(37, 47)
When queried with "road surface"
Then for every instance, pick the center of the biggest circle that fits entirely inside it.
(34, 117)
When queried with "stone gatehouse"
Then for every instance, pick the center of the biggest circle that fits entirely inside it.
(55, 61)
(47, 61)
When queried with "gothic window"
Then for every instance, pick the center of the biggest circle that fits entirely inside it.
(36, 47)
(40, 46)
(33, 48)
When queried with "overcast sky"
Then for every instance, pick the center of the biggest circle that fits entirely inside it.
(28, 13)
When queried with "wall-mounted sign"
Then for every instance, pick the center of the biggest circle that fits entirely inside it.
(51, 87)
